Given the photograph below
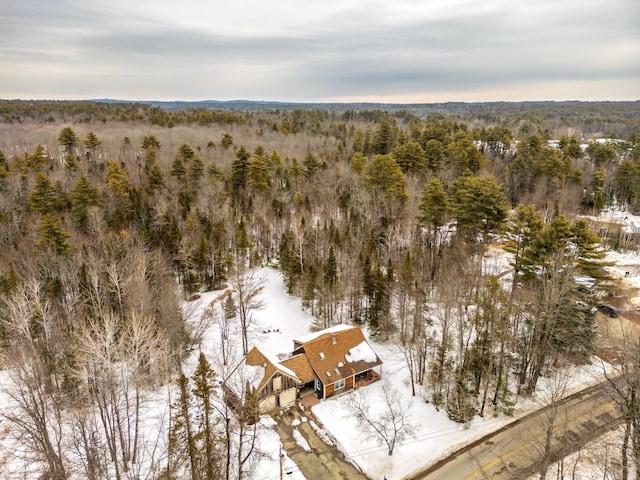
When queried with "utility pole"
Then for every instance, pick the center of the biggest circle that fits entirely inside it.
(281, 459)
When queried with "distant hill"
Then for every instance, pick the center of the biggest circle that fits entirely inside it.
(566, 109)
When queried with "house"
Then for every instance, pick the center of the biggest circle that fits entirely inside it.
(324, 363)
(263, 377)
(339, 357)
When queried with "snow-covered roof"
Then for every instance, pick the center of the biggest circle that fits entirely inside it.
(361, 353)
(338, 352)
(314, 335)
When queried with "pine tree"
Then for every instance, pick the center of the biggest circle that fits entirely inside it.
(92, 143)
(45, 198)
(478, 205)
(384, 138)
(82, 196)
(9, 282)
(204, 379)
(68, 139)
(36, 160)
(182, 442)
(52, 235)
(178, 169)
(155, 179)
(433, 206)
(227, 140)
(411, 157)
(590, 253)
(331, 269)
(522, 228)
(240, 169)
(310, 165)
(150, 142)
(384, 176)
(258, 175)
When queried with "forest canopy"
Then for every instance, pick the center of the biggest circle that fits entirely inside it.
(113, 213)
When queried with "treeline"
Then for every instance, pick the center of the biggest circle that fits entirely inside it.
(372, 218)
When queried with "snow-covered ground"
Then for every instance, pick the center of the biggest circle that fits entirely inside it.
(280, 321)
(434, 435)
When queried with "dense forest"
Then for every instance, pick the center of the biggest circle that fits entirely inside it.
(113, 213)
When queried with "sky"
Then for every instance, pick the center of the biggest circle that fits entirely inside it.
(400, 51)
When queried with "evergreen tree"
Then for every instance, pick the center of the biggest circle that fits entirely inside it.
(258, 175)
(227, 140)
(82, 196)
(590, 254)
(155, 178)
(185, 153)
(119, 205)
(36, 160)
(178, 169)
(240, 169)
(52, 235)
(331, 269)
(522, 228)
(411, 157)
(384, 176)
(358, 161)
(68, 139)
(182, 442)
(310, 165)
(204, 381)
(384, 138)
(150, 142)
(434, 154)
(195, 172)
(478, 205)
(45, 198)
(433, 206)
(92, 143)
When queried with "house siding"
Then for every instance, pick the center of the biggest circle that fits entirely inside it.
(329, 390)
(348, 382)
(288, 396)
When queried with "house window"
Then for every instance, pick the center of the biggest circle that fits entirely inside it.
(318, 385)
(339, 384)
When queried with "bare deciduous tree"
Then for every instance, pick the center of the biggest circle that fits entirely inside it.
(389, 426)
(248, 286)
(33, 335)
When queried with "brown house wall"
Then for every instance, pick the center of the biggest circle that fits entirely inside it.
(348, 382)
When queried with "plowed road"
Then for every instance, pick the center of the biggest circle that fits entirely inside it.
(515, 451)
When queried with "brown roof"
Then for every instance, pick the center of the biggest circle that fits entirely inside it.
(300, 365)
(271, 366)
(338, 354)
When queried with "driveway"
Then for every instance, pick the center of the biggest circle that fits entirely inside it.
(323, 461)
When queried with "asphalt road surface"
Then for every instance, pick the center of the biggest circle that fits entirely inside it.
(515, 451)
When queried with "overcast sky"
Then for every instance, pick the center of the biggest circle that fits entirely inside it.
(322, 50)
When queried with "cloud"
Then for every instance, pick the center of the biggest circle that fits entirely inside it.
(290, 50)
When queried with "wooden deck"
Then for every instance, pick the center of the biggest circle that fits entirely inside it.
(367, 378)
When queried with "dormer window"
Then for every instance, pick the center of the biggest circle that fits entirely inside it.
(322, 356)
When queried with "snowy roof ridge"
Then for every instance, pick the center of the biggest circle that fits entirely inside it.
(312, 336)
